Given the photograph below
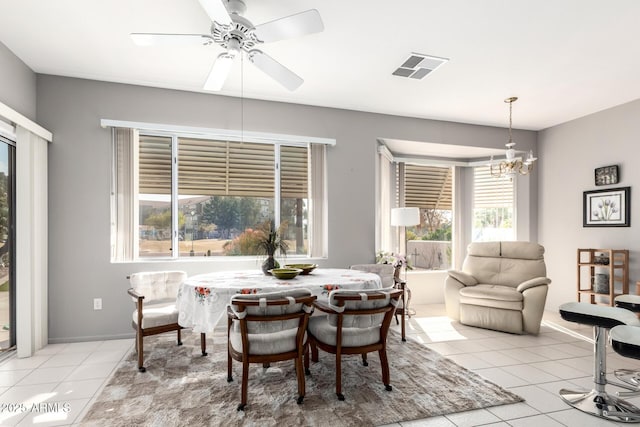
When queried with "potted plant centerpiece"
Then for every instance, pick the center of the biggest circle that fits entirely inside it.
(271, 240)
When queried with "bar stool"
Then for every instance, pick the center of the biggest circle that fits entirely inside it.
(629, 376)
(598, 402)
(625, 341)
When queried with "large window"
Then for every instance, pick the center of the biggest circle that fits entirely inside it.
(198, 197)
(493, 211)
(429, 188)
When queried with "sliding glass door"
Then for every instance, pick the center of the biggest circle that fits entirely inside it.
(7, 244)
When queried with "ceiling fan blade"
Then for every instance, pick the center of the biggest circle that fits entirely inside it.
(300, 24)
(219, 71)
(275, 70)
(155, 39)
(216, 11)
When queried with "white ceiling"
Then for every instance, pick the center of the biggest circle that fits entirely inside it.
(564, 59)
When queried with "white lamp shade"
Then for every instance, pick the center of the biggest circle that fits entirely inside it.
(405, 216)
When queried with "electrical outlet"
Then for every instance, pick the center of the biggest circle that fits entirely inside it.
(97, 303)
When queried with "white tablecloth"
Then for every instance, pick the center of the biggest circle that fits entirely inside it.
(202, 299)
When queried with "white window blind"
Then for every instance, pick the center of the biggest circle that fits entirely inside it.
(490, 192)
(428, 187)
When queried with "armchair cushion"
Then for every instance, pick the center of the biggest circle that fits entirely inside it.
(462, 277)
(157, 314)
(282, 341)
(492, 296)
(351, 337)
(157, 285)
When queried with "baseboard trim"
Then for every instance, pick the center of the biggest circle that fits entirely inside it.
(65, 340)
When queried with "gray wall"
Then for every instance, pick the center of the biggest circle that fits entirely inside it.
(79, 176)
(569, 153)
(17, 84)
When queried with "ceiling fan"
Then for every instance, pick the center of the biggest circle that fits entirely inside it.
(236, 34)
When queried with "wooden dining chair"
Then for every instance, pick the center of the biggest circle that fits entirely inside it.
(154, 296)
(265, 328)
(357, 322)
(390, 278)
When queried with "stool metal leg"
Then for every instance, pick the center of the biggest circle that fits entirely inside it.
(597, 401)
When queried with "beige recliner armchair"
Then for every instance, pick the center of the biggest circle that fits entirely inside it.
(502, 286)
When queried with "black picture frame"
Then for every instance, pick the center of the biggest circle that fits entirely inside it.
(606, 175)
(607, 208)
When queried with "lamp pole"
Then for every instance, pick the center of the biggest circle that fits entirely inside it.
(193, 231)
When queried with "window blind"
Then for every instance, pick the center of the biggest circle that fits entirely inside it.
(490, 192)
(428, 187)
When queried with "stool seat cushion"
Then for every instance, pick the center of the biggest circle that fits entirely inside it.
(597, 315)
(625, 340)
(630, 302)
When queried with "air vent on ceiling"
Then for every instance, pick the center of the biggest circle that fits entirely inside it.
(419, 65)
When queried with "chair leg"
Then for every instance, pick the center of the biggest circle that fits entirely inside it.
(405, 309)
(314, 352)
(179, 337)
(307, 371)
(229, 374)
(339, 376)
(300, 376)
(364, 359)
(245, 384)
(203, 344)
(140, 347)
(384, 362)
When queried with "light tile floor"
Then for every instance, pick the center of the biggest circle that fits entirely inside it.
(58, 384)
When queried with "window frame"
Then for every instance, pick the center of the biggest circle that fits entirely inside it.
(175, 138)
(317, 194)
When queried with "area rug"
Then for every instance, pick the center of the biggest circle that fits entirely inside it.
(181, 387)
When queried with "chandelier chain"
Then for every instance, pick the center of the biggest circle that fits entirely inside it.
(510, 121)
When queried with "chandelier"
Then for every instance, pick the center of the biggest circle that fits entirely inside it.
(512, 165)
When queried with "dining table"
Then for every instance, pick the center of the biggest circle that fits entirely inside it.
(202, 299)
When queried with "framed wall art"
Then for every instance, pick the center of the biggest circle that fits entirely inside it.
(607, 208)
(607, 175)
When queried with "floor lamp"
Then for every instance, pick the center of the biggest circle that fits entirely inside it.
(404, 217)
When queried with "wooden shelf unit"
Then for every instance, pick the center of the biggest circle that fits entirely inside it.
(617, 270)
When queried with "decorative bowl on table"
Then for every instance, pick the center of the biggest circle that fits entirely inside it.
(306, 268)
(285, 273)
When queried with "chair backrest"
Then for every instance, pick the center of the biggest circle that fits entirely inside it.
(385, 271)
(273, 311)
(504, 263)
(363, 308)
(157, 285)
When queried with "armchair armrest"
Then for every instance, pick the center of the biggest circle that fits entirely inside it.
(134, 294)
(324, 307)
(536, 281)
(462, 277)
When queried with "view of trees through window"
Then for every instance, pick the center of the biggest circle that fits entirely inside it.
(429, 188)
(493, 200)
(226, 192)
